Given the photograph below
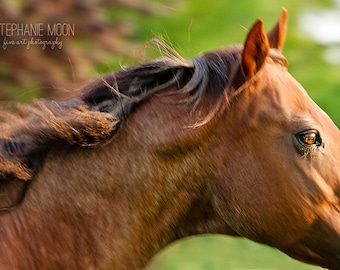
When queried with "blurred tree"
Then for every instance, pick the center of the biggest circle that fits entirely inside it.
(65, 66)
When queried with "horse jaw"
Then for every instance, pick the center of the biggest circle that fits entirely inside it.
(322, 243)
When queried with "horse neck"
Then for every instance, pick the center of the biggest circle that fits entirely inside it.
(127, 199)
(167, 177)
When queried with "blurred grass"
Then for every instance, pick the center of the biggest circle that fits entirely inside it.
(194, 27)
(222, 252)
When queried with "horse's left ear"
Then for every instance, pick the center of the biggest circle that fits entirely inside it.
(277, 35)
(256, 49)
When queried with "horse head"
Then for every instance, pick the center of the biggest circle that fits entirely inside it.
(279, 183)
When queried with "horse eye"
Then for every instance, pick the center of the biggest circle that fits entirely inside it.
(306, 141)
(309, 138)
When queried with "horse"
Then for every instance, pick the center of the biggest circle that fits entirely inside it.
(227, 142)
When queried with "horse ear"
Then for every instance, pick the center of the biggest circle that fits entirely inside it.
(255, 51)
(277, 35)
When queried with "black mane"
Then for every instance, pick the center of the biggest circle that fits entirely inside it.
(119, 93)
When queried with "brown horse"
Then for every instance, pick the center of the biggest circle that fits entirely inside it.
(227, 142)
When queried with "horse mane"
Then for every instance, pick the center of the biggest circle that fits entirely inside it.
(120, 92)
(29, 132)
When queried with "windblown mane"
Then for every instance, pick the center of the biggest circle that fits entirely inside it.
(29, 133)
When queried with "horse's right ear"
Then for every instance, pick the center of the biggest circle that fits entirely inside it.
(255, 51)
(277, 35)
